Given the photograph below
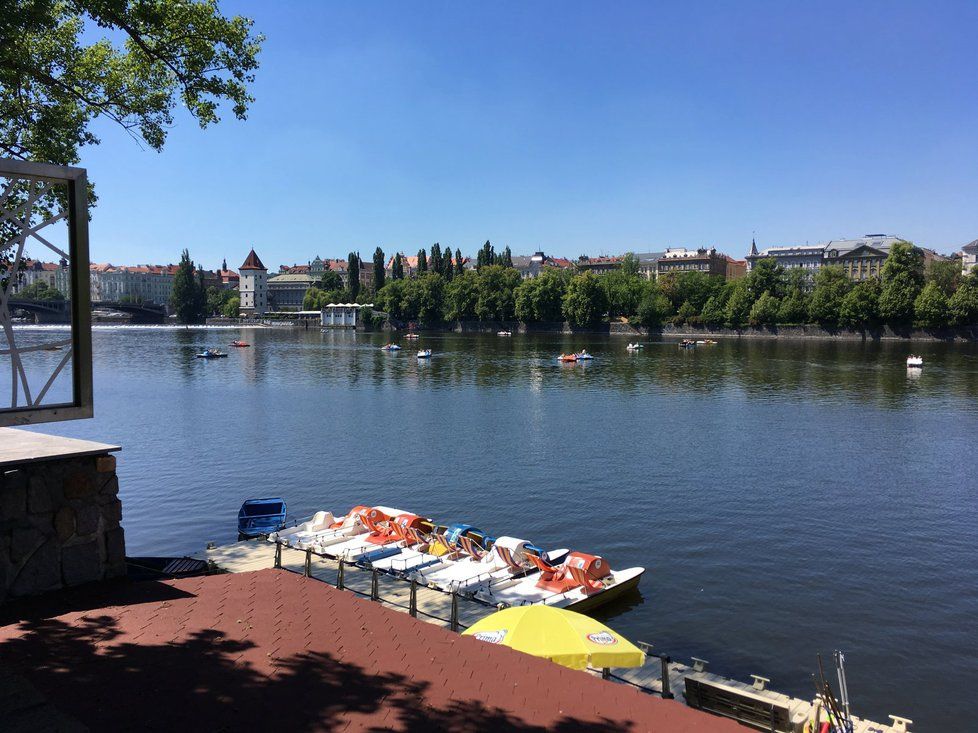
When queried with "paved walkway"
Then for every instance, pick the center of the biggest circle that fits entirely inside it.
(272, 650)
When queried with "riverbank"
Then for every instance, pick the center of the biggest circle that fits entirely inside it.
(807, 332)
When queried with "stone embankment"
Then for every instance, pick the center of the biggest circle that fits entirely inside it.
(59, 518)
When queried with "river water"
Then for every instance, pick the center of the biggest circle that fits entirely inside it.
(786, 498)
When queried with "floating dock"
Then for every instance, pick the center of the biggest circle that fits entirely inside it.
(751, 704)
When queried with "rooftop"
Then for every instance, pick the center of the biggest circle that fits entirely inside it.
(273, 650)
(24, 446)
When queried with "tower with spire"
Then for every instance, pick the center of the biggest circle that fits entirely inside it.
(253, 286)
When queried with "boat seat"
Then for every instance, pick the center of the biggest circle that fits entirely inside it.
(507, 557)
(581, 578)
(471, 548)
(548, 570)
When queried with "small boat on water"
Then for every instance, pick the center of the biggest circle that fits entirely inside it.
(583, 355)
(425, 550)
(687, 344)
(261, 516)
(211, 354)
(390, 347)
(424, 354)
(567, 357)
(411, 336)
(635, 347)
(504, 333)
(915, 362)
(240, 344)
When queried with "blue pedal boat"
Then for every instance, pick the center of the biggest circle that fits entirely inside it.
(261, 516)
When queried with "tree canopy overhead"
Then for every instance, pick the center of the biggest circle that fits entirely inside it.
(56, 79)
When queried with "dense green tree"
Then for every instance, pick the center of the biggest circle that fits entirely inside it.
(693, 287)
(930, 307)
(390, 298)
(397, 267)
(459, 265)
(903, 278)
(861, 306)
(39, 290)
(486, 256)
(330, 280)
(424, 298)
(629, 264)
(963, 306)
(584, 302)
(623, 292)
(794, 308)
(946, 273)
(764, 312)
(714, 311)
(687, 313)
(655, 307)
(496, 293)
(353, 275)
(461, 295)
(506, 258)
(831, 286)
(64, 65)
(767, 275)
(380, 275)
(422, 262)
(739, 303)
(216, 299)
(232, 308)
(434, 261)
(187, 297)
(540, 299)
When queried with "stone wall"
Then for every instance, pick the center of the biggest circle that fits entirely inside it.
(59, 524)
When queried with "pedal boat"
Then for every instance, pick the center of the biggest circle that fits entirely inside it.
(567, 357)
(211, 354)
(434, 548)
(479, 568)
(390, 347)
(411, 336)
(382, 534)
(634, 347)
(324, 530)
(580, 582)
(240, 344)
(424, 354)
(914, 361)
(584, 356)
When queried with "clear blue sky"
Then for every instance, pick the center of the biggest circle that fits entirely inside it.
(568, 127)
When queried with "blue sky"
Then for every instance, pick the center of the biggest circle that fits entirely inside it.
(568, 127)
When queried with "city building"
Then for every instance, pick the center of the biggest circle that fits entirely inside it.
(49, 273)
(598, 265)
(287, 290)
(709, 261)
(135, 283)
(533, 265)
(648, 264)
(223, 279)
(253, 286)
(808, 258)
(969, 257)
(341, 315)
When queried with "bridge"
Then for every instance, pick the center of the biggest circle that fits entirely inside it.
(59, 311)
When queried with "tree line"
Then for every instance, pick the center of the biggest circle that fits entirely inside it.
(906, 293)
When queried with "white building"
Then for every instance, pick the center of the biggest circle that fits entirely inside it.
(969, 257)
(138, 283)
(341, 315)
(253, 286)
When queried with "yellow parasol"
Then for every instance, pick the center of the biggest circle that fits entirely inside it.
(565, 637)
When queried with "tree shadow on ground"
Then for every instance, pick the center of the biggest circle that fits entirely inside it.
(204, 683)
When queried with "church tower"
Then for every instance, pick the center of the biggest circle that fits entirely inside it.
(253, 286)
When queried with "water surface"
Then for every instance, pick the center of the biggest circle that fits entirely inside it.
(785, 497)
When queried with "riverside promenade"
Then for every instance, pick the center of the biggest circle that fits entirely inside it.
(271, 649)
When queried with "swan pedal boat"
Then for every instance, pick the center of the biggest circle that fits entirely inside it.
(582, 581)
(584, 356)
(635, 347)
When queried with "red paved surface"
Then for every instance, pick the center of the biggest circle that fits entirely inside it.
(273, 650)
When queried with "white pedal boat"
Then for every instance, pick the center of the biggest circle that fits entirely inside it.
(478, 567)
(581, 581)
(385, 533)
(438, 549)
(321, 532)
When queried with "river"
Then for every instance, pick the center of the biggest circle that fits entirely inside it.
(786, 497)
